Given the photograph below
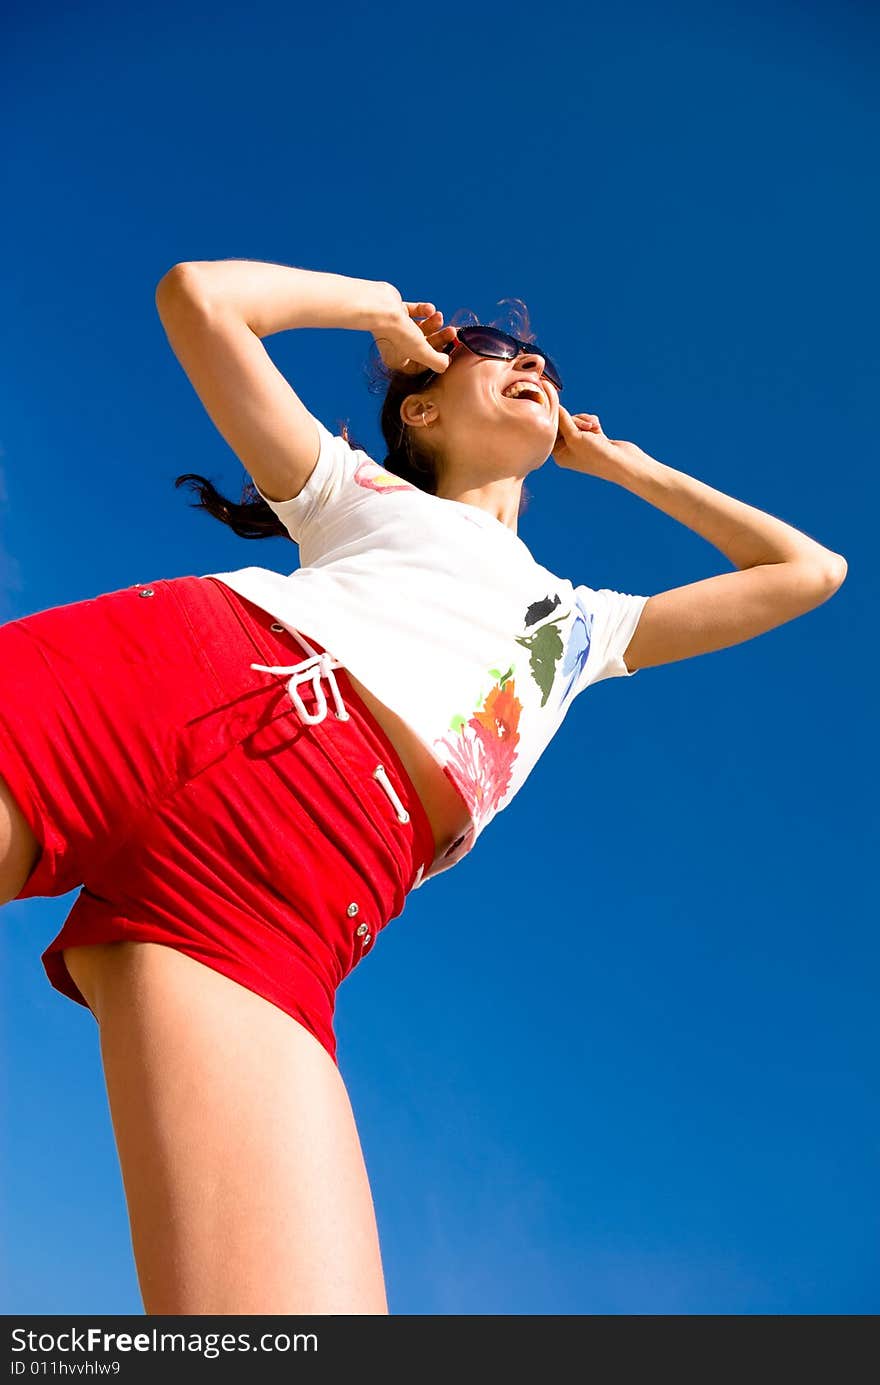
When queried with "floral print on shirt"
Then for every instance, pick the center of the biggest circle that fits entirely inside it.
(374, 477)
(578, 649)
(482, 749)
(545, 646)
(480, 754)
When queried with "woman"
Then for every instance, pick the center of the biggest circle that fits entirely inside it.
(247, 772)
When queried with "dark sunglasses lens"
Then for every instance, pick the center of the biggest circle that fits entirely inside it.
(552, 373)
(491, 341)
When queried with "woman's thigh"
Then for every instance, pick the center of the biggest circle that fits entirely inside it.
(19, 847)
(244, 1177)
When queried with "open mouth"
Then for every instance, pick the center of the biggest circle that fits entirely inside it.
(525, 391)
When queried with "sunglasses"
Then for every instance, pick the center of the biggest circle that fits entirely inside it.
(496, 345)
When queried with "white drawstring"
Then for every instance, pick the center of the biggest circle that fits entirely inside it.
(311, 668)
(381, 774)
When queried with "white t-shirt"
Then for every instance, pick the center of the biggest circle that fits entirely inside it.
(441, 611)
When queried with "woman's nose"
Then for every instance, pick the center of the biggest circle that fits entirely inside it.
(531, 358)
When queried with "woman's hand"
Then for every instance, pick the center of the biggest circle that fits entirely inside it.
(411, 346)
(582, 446)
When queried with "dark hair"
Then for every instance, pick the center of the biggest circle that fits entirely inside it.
(252, 518)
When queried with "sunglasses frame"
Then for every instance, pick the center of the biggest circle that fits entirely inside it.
(521, 346)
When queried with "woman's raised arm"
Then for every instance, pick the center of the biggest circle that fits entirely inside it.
(278, 298)
(215, 313)
(783, 573)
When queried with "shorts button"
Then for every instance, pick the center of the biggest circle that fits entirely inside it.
(277, 627)
(361, 929)
(352, 910)
(146, 591)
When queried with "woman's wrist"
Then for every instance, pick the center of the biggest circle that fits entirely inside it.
(276, 298)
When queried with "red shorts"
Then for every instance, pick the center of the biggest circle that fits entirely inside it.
(181, 791)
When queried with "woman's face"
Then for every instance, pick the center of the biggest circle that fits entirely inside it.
(470, 407)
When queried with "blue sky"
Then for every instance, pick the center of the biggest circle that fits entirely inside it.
(623, 1058)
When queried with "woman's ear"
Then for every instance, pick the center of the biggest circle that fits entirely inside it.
(416, 412)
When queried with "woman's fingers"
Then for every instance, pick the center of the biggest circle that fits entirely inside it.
(423, 351)
(430, 356)
(432, 318)
(431, 324)
(433, 327)
(579, 423)
(437, 337)
(441, 359)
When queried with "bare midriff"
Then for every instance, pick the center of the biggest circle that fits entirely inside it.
(442, 802)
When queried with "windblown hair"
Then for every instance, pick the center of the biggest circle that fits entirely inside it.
(252, 518)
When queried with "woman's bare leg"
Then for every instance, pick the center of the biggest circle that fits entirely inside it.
(19, 847)
(244, 1177)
